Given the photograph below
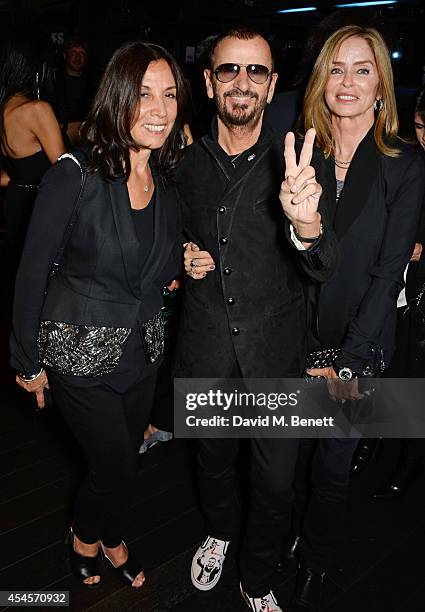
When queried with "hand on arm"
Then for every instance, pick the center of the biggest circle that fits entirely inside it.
(196, 262)
(300, 192)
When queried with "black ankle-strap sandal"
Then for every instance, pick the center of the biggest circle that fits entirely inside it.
(128, 571)
(81, 566)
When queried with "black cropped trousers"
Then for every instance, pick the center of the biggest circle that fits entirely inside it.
(109, 427)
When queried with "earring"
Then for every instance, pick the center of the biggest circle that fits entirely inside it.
(37, 85)
(379, 103)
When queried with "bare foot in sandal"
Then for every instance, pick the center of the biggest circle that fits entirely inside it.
(126, 565)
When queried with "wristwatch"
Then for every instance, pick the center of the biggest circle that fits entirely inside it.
(345, 373)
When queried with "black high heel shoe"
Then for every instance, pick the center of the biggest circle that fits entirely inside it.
(127, 572)
(81, 566)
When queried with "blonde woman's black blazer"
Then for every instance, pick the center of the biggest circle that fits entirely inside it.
(375, 222)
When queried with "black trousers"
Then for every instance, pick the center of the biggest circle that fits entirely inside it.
(272, 467)
(321, 483)
(109, 427)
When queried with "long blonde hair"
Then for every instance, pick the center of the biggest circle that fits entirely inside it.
(315, 111)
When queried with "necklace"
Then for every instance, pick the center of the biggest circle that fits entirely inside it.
(341, 164)
(146, 186)
(235, 157)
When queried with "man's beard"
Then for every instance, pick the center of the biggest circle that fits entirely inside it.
(238, 115)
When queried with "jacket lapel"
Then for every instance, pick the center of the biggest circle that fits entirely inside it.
(127, 237)
(359, 180)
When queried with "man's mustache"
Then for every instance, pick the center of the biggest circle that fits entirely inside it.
(238, 92)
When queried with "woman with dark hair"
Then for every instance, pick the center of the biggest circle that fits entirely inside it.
(87, 314)
(373, 191)
(30, 136)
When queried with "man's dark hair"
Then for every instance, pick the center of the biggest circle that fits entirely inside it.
(75, 41)
(109, 123)
(240, 32)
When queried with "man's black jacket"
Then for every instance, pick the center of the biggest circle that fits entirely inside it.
(251, 306)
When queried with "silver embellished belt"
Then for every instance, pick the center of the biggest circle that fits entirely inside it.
(85, 350)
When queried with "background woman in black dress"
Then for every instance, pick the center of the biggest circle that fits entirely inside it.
(30, 136)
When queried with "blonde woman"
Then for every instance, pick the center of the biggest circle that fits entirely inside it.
(373, 186)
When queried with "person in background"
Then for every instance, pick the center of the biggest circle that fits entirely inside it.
(408, 361)
(30, 136)
(87, 323)
(419, 119)
(74, 87)
(161, 424)
(373, 191)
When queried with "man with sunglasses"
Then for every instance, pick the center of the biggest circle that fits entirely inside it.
(243, 307)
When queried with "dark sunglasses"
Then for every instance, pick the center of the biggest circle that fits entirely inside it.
(256, 72)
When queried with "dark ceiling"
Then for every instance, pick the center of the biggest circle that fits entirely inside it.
(204, 12)
(181, 23)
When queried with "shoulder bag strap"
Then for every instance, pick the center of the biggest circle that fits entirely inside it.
(72, 219)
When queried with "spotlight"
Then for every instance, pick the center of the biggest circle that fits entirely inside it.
(301, 9)
(361, 4)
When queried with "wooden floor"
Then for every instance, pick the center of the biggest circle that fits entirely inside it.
(382, 565)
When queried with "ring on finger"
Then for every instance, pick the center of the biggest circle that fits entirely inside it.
(192, 263)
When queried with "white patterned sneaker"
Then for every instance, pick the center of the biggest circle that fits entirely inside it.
(207, 563)
(267, 603)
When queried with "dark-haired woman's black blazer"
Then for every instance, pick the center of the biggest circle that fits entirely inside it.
(375, 222)
(100, 281)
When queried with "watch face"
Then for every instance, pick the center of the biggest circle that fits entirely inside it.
(345, 374)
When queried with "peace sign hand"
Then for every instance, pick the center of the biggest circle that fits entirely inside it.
(300, 192)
